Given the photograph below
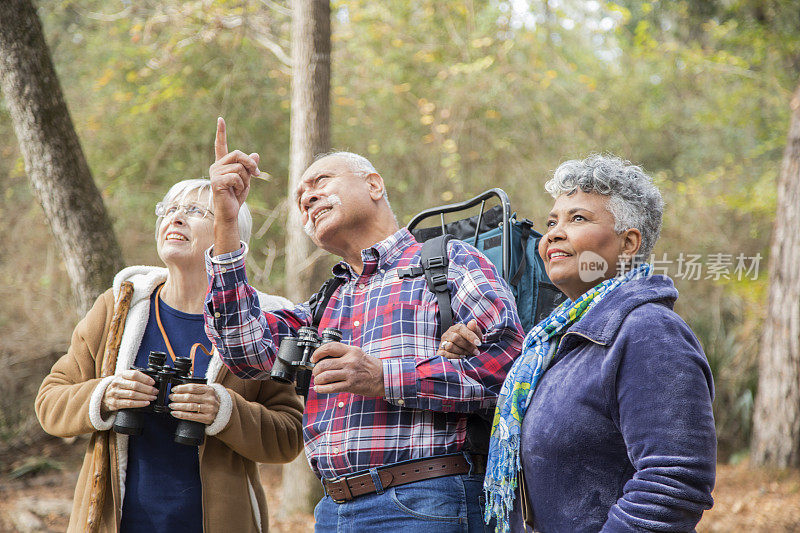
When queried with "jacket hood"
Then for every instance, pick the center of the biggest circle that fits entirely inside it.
(145, 279)
(603, 321)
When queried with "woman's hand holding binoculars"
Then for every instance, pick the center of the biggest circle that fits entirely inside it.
(133, 389)
(195, 402)
(130, 389)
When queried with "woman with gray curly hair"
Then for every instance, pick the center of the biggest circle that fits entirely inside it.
(604, 421)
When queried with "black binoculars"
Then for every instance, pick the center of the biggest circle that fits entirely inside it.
(130, 422)
(293, 362)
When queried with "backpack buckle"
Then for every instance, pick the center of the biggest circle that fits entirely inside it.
(439, 281)
(410, 272)
(436, 262)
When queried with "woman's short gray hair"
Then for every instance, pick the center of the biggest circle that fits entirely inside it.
(634, 200)
(195, 187)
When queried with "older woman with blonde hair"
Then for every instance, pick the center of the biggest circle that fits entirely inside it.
(156, 483)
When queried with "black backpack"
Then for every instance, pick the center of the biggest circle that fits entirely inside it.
(510, 244)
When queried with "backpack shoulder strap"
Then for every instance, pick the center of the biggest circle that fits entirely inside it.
(434, 262)
(319, 302)
(526, 226)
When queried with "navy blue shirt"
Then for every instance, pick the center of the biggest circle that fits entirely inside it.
(162, 486)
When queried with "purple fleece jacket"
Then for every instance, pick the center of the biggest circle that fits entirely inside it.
(619, 435)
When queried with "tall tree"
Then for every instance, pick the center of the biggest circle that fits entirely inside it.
(310, 135)
(776, 424)
(54, 160)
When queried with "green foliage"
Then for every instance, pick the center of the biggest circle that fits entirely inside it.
(145, 86)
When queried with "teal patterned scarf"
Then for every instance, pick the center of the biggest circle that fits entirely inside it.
(538, 350)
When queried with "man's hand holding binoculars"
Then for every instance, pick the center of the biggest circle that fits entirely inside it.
(342, 368)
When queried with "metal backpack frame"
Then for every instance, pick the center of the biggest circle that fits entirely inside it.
(434, 258)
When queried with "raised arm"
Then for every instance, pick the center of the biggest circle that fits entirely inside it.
(246, 338)
(230, 183)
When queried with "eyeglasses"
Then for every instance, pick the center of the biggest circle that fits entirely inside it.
(190, 210)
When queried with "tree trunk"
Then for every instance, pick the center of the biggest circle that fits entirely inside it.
(54, 161)
(310, 135)
(776, 422)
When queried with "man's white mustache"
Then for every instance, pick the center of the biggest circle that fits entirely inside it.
(329, 201)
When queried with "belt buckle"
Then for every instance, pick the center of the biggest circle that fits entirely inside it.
(331, 481)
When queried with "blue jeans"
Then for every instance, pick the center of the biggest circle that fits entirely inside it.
(440, 505)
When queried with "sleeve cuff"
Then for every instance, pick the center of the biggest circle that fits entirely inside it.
(400, 380)
(228, 258)
(96, 419)
(225, 410)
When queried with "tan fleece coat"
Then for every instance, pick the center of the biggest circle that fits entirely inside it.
(258, 421)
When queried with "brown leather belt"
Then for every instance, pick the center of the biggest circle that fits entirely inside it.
(346, 488)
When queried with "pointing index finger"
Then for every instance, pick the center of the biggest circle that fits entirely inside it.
(221, 140)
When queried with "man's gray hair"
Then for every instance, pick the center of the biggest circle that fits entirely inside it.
(634, 200)
(357, 163)
(192, 189)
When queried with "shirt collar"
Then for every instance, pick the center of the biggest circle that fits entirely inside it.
(380, 254)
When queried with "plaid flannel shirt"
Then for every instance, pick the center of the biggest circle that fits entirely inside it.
(428, 397)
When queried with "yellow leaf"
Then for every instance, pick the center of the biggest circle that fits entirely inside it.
(482, 42)
(103, 80)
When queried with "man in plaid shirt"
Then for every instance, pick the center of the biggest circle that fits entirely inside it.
(385, 420)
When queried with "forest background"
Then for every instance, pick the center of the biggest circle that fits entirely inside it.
(447, 98)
